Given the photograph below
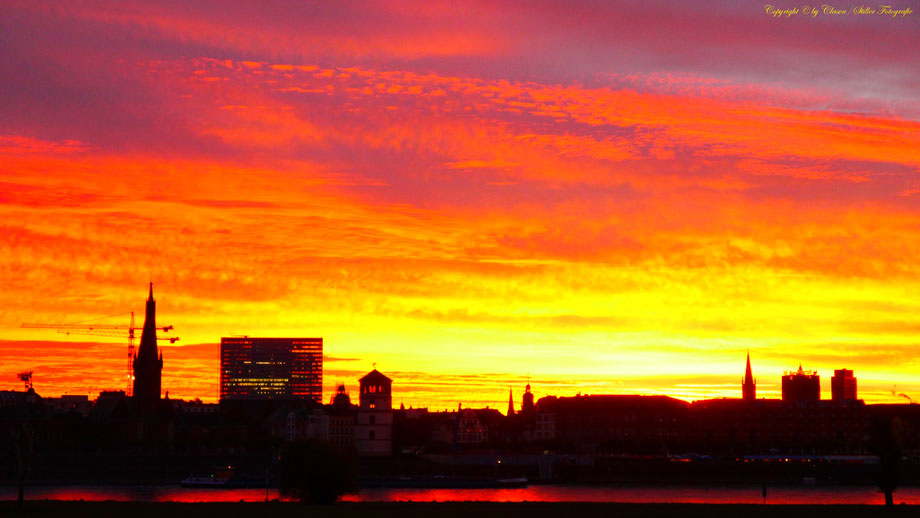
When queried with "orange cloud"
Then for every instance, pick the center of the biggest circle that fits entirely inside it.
(608, 235)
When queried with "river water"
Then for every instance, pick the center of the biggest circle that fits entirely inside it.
(539, 493)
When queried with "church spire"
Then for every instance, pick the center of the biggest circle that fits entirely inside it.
(510, 402)
(148, 364)
(748, 386)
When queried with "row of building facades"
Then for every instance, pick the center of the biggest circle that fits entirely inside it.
(800, 421)
(603, 424)
(598, 424)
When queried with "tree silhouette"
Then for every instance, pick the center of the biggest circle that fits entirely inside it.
(888, 439)
(23, 446)
(316, 471)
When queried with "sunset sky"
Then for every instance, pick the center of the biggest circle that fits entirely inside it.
(602, 197)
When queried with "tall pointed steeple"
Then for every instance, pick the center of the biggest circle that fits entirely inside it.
(148, 365)
(748, 387)
(510, 402)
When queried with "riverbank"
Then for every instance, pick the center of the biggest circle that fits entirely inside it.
(393, 472)
(54, 509)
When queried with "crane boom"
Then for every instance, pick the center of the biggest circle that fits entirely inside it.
(91, 327)
(74, 326)
(172, 339)
(113, 330)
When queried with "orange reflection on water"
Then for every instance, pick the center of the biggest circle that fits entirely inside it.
(792, 495)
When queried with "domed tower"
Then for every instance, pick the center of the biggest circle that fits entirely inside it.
(527, 407)
(148, 365)
(341, 399)
(342, 419)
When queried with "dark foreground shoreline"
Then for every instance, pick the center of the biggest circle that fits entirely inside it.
(59, 509)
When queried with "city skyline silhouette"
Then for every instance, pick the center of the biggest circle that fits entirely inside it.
(510, 251)
(151, 382)
(574, 192)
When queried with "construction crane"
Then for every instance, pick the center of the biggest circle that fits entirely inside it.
(114, 330)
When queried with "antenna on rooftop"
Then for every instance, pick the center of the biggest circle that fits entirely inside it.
(26, 379)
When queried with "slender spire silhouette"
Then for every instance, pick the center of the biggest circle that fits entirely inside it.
(748, 386)
(510, 402)
(148, 364)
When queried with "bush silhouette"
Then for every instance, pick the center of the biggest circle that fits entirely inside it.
(316, 471)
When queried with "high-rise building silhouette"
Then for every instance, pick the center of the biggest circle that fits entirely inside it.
(271, 368)
(801, 385)
(843, 385)
(748, 385)
(148, 364)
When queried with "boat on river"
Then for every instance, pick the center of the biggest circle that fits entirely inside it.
(220, 477)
